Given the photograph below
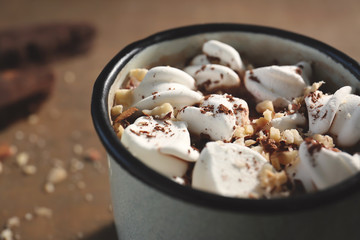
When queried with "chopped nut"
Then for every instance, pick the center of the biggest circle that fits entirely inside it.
(297, 138)
(275, 134)
(22, 159)
(326, 140)
(239, 132)
(138, 73)
(265, 105)
(13, 222)
(161, 112)
(268, 115)
(43, 212)
(29, 169)
(271, 180)
(284, 158)
(78, 149)
(249, 130)
(57, 175)
(260, 123)
(249, 142)
(287, 136)
(260, 150)
(6, 234)
(89, 197)
(314, 87)
(28, 216)
(116, 111)
(123, 97)
(49, 187)
(120, 130)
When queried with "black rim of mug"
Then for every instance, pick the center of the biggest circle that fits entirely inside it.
(150, 177)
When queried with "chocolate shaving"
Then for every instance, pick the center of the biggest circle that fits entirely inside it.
(126, 114)
(223, 109)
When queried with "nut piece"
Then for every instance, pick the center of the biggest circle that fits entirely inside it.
(123, 97)
(292, 137)
(119, 129)
(22, 159)
(138, 73)
(29, 169)
(265, 105)
(275, 134)
(249, 142)
(268, 115)
(326, 140)
(271, 180)
(43, 212)
(313, 88)
(161, 112)
(6, 234)
(241, 132)
(57, 175)
(116, 111)
(283, 158)
(13, 222)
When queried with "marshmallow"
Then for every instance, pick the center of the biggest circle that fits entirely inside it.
(291, 121)
(162, 145)
(217, 116)
(346, 124)
(227, 55)
(227, 169)
(322, 109)
(320, 168)
(200, 59)
(274, 82)
(213, 76)
(165, 85)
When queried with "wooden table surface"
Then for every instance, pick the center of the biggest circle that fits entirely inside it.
(81, 205)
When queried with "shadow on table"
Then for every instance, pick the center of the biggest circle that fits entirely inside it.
(106, 233)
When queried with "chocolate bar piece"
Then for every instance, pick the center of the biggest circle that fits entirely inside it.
(44, 43)
(16, 85)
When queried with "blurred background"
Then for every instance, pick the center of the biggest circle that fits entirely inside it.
(53, 169)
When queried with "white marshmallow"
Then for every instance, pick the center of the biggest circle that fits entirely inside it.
(227, 169)
(217, 116)
(165, 84)
(322, 109)
(320, 168)
(291, 121)
(213, 76)
(346, 124)
(273, 82)
(227, 54)
(162, 145)
(200, 59)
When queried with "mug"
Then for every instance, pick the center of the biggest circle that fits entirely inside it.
(147, 205)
